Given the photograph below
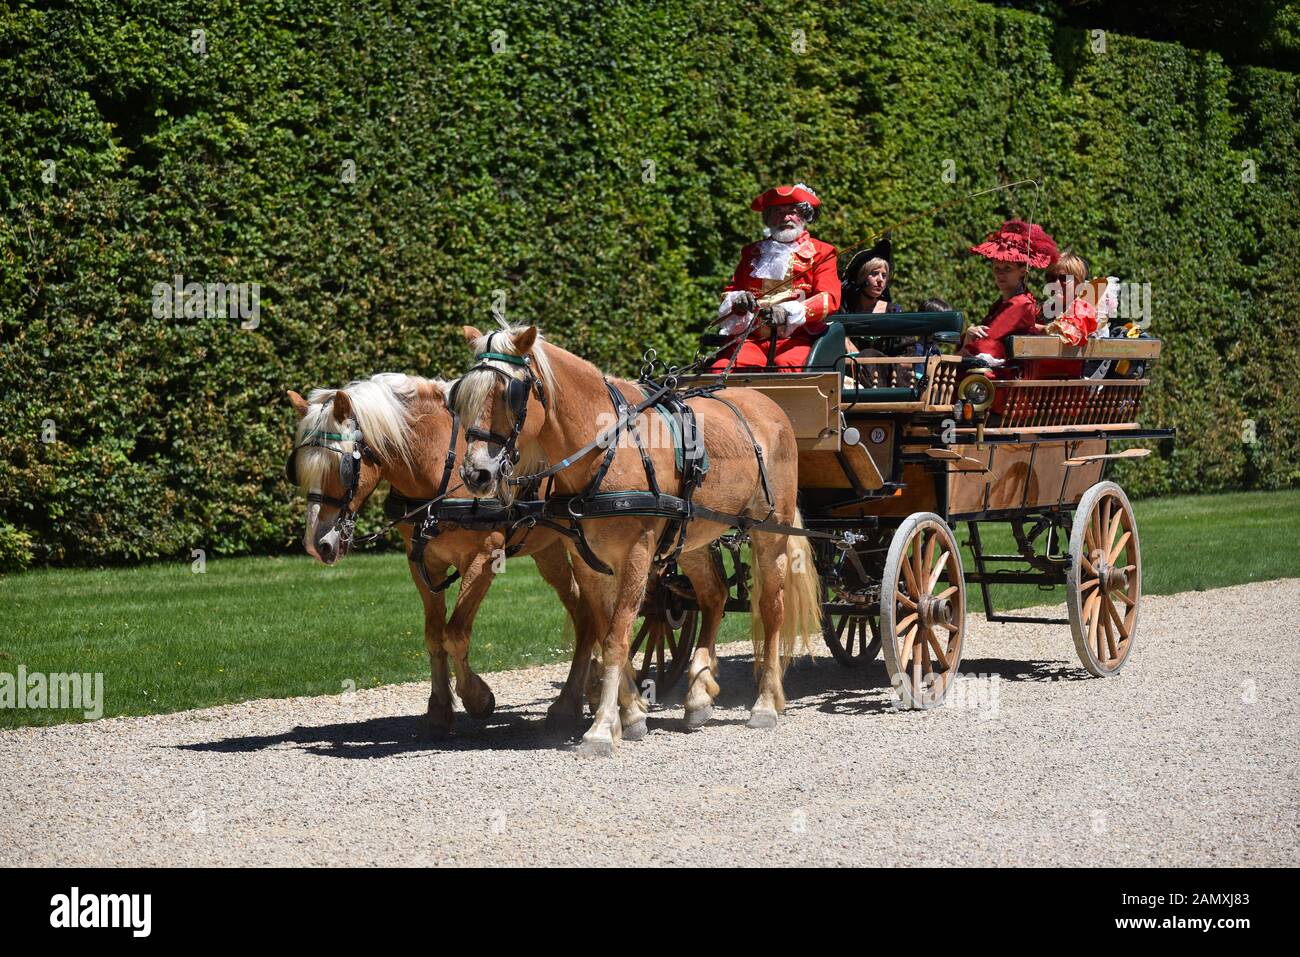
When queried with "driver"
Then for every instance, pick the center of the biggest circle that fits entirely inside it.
(789, 279)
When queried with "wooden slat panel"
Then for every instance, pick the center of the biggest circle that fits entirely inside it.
(1050, 347)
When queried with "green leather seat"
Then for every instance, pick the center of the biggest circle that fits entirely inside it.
(941, 327)
(919, 325)
(827, 354)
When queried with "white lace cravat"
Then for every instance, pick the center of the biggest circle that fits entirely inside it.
(773, 260)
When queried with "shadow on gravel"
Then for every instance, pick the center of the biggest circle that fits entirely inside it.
(396, 736)
(1024, 670)
(820, 683)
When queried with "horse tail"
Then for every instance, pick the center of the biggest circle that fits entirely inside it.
(801, 622)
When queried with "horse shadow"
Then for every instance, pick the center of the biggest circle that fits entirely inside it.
(817, 684)
(394, 736)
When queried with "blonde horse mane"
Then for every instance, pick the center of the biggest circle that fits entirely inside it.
(382, 406)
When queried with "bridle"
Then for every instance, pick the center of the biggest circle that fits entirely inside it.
(349, 473)
(516, 393)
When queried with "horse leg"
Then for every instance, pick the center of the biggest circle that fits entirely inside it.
(711, 595)
(632, 709)
(440, 717)
(628, 590)
(770, 573)
(476, 576)
(565, 713)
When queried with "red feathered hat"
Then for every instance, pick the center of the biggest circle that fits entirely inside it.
(785, 195)
(1019, 242)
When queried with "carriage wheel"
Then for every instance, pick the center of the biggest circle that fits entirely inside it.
(666, 640)
(852, 639)
(1104, 579)
(923, 610)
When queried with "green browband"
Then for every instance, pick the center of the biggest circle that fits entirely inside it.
(335, 436)
(514, 360)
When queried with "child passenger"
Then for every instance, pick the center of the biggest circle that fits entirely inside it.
(1067, 312)
(1011, 251)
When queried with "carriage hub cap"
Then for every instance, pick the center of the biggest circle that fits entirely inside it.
(934, 611)
(1112, 577)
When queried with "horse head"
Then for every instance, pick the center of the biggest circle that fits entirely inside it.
(349, 440)
(503, 403)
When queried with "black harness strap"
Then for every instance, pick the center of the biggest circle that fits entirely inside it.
(692, 476)
(429, 527)
(647, 504)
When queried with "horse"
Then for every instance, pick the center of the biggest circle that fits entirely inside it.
(400, 428)
(528, 397)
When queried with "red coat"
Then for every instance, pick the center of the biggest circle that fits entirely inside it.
(812, 265)
(1007, 317)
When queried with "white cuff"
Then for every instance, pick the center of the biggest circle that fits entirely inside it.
(795, 315)
(735, 323)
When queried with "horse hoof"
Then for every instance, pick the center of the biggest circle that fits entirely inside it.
(762, 719)
(486, 710)
(697, 717)
(596, 747)
(635, 731)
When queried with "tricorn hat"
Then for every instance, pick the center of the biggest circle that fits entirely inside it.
(785, 195)
(883, 249)
(1019, 242)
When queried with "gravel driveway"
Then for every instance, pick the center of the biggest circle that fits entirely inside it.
(1189, 757)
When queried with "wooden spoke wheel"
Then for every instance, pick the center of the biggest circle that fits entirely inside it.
(1104, 579)
(922, 610)
(853, 639)
(665, 640)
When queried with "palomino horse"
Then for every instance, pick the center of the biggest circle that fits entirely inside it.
(405, 433)
(561, 398)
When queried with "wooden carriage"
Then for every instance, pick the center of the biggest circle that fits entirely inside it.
(897, 451)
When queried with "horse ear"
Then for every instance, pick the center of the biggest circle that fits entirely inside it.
(298, 402)
(342, 407)
(523, 341)
(471, 334)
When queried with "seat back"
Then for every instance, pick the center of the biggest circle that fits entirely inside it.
(827, 353)
(921, 325)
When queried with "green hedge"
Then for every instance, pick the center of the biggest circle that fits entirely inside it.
(526, 170)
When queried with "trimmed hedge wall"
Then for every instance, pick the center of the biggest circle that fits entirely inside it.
(595, 171)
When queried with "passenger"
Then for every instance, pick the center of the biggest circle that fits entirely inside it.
(867, 281)
(1067, 311)
(1011, 251)
(866, 287)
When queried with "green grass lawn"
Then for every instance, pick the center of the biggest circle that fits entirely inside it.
(167, 639)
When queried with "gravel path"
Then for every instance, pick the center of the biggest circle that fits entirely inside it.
(1189, 757)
